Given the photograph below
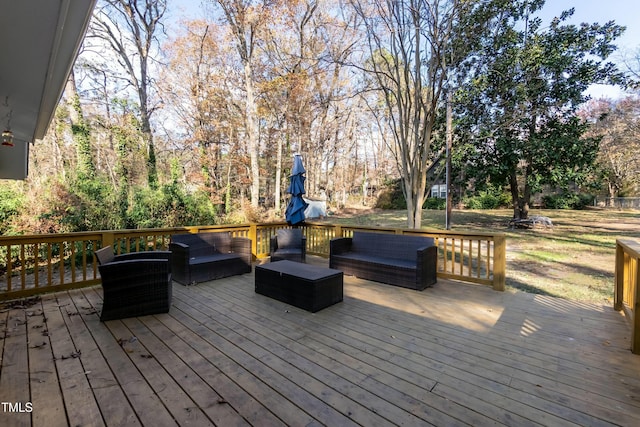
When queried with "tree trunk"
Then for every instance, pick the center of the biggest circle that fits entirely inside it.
(152, 169)
(418, 203)
(145, 126)
(278, 174)
(227, 197)
(515, 195)
(612, 194)
(80, 132)
(526, 195)
(415, 198)
(520, 202)
(252, 135)
(411, 210)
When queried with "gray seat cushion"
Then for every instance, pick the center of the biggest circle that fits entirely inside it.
(212, 258)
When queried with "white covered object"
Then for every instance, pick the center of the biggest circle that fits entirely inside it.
(316, 208)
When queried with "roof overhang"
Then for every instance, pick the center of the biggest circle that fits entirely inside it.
(39, 41)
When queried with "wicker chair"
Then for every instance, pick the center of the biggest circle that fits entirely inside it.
(288, 244)
(134, 284)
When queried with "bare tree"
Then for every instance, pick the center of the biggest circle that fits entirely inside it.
(308, 87)
(197, 88)
(407, 43)
(129, 28)
(618, 162)
(246, 19)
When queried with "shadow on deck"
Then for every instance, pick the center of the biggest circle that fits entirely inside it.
(453, 354)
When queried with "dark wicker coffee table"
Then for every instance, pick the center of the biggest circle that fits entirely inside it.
(305, 286)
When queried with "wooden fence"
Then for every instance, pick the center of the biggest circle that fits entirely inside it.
(41, 263)
(627, 291)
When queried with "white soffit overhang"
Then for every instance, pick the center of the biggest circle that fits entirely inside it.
(39, 41)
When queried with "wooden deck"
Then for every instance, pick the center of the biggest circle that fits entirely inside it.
(453, 354)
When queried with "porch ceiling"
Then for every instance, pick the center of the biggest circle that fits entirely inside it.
(39, 41)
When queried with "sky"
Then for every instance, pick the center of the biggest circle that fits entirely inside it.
(623, 12)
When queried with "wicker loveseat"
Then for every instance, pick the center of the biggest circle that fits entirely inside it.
(207, 256)
(407, 261)
(134, 284)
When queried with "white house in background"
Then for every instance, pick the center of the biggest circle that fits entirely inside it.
(439, 191)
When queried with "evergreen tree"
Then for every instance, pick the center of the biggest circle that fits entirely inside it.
(518, 105)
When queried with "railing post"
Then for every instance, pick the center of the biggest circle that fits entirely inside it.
(619, 277)
(499, 262)
(635, 329)
(337, 229)
(107, 239)
(253, 235)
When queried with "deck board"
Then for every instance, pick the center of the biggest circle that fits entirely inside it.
(116, 348)
(80, 404)
(289, 359)
(205, 361)
(453, 354)
(14, 379)
(536, 368)
(351, 372)
(108, 393)
(260, 376)
(44, 383)
(203, 395)
(393, 353)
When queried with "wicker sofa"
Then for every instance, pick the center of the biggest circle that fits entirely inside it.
(134, 284)
(407, 261)
(208, 256)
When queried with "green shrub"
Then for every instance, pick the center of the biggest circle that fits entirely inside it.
(488, 199)
(169, 206)
(94, 211)
(435, 203)
(75, 205)
(11, 201)
(567, 201)
(585, 200)
(391, 197)
(149, 208)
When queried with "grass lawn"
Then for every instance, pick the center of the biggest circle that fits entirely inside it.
(574, 259)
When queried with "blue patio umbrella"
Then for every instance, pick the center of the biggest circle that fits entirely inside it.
(294, 214)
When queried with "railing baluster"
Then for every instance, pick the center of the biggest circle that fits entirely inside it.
(73, 261)
(23, 270)
(9, 269)
(488, 258)
(61, 250)
(36, 265)
(61, 262)
(49, 267)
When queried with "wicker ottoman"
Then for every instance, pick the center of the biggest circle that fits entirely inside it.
(305, 286)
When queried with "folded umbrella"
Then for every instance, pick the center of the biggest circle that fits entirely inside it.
(294, 214)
